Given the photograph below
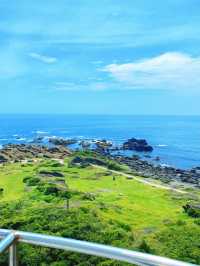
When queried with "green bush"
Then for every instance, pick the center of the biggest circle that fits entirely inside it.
(113, 166)
(31, 181)
(180, 242)
(144, 247)
(65, 194)
(192, 210)
(48, 189)
(26, 178)
(82, 224)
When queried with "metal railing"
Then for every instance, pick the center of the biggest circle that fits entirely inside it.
(11, 238)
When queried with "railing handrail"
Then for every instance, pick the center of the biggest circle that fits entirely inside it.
(124, 255)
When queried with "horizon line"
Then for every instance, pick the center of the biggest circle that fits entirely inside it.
(98, 114)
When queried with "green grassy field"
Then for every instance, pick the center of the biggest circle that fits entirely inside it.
(149, 212)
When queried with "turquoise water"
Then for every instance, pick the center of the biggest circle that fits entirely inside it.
(176, 139)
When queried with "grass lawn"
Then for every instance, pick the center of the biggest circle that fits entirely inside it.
(137, 204)
(147, 210)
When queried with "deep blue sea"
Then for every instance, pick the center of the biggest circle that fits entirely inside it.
(176, 139)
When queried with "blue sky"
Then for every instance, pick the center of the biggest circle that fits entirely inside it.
(100, 57)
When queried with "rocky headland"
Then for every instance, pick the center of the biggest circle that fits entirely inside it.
(58, 149)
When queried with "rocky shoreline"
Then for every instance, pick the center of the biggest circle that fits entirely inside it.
(145, 168)
(164, 173)
(20, 152)
(59, 150)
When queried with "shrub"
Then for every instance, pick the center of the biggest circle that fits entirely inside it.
(31, 181)
(192, 210)
(88, 196)
(65, 194)
(81, 223)
(197, 221)
(26, 178)
(180, 242)
(113, 166)
(144, 247)
(48, 189)
(56, 164)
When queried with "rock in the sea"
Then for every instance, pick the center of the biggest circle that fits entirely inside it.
(135, 157)
(38, 140)
(140, 145)
(85, 144)
(103, 144)
(61, 141)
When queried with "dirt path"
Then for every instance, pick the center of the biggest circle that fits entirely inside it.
(141, 180)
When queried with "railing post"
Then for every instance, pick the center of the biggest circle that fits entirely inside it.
(13, 255)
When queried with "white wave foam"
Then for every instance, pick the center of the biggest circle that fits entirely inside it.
(165, 165)
(41, 132)
(162, 145)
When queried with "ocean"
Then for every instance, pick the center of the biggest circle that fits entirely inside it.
(175, 139)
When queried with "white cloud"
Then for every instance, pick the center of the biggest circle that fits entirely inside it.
(98, 62)
(43, 58)
(167, 71)
(70, 86)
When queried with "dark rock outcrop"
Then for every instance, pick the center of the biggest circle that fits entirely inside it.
(164, 173)
(3, 158)
(51, 173)
(103, 147)
(85, 144)
(61, 141)
(103, 144)
(139, 145)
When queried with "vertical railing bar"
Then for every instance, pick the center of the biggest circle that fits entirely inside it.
(13, 255)
(6, 242)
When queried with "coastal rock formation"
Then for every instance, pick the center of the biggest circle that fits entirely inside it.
(51, 173)
(21, 152)
(3, 158)
(61, 141)
(38, 140)
(103, 144)
(15, 152)
(164, 173)
(85, 144)
(140, 145)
